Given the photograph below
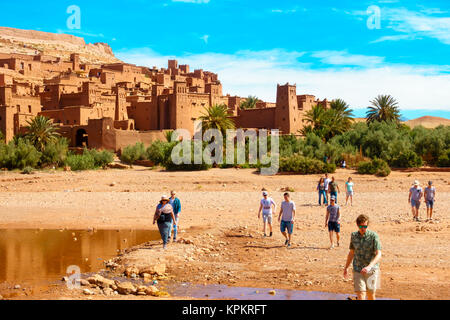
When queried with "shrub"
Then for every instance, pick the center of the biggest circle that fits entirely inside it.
(55, 153)
(444, 159)
(27, 170)
(101, 158)
(18, 155)
(303, 165)
(377, 167)
(157, 152)
(78, 162)
(408, 159)
(131, 154)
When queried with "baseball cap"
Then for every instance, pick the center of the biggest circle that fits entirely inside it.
(265, 193)
(333, 198)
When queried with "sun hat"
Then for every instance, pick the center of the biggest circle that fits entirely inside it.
(164, 197)
(333, 198)
(416, 183)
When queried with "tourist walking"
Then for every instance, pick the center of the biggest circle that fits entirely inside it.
(176, 205)
(267, 207)
(415, 197)
(334, 189)
(287, 218)
(327, 181)
(165, 217)
(322, 192)
(332, 221)
(430, 198)
(365, 253)
(350, 192)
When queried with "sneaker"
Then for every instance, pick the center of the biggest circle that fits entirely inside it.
(265, 235)
(174, 239)
(338, 244)
(289, 244)
(332, 246)
(271, 234)
(286, 242)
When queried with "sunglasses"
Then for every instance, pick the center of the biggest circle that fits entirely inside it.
(363, 227)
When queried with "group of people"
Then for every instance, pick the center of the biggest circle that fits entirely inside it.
(329, 188)
(365, 246)
(416, 193)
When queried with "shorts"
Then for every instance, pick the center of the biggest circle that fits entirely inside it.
(334, 226)
(350, 193)
(289, 225)
(267, 218)
(415, 204)
(430, 204)
(369, 282)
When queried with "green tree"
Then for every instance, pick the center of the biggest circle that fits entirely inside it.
(41, 131)
(384, 108)
(216, 117)
(249, 103)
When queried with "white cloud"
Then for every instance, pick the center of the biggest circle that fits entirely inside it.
(344, 58)
(257, 73)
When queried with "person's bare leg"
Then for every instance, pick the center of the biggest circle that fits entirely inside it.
(285, 235)
(361, 295)
(264, 227)
(346, 200)
(351, 201)
(431, 213)
(413, 212)
(270, 228)
(371, 295)
(338, 237)
(331, 239)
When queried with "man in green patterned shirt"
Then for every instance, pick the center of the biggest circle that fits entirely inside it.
(365, 253)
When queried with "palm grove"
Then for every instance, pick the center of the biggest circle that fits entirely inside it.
(328, 137)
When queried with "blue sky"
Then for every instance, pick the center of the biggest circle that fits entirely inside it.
(328, 48)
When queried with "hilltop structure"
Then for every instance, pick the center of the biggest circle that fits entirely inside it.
(113, 105)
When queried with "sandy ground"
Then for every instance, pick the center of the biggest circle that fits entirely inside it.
(220, 217)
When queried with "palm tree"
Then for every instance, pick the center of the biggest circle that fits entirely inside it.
(216, 117)
(315, 117)
(343, 115)
(249, 103)
(384, 108)
(41, 131)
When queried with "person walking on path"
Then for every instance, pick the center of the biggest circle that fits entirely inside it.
(176, 205)
(327, 181)
(365, 253)
(322, 192)
(332, 221)
(334, 189)
(287, 218)
(415, 197)
(350, 192)
(165, 217)
(266, 207)
(430, 198)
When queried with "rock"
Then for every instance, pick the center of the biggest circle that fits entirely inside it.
(113, 184)
(108, 291)
(82, 282)
(129, 271)
(118, 166)
(152, 291)
(1, 297)
(88, 292)
(17, 287)
(67, 169)
(126, 288)
(65, 279)
(272, 292)
(100, 281)
(158, 269)
(147, 277)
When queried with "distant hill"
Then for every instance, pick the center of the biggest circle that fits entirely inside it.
(428, 122)
(30, 42)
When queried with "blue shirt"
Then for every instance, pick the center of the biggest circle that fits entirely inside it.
(176, 204)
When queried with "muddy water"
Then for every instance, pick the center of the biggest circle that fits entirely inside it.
(242, 293)
(39, 256)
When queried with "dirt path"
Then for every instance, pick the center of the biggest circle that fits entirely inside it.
(220, 217)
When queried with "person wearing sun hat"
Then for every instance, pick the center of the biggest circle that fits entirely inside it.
(415, 197)
(267, 207)
(165, 217)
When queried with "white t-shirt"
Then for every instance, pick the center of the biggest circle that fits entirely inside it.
(326, 182)
(267, 205)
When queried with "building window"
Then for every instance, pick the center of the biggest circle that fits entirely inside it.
(29, 109)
